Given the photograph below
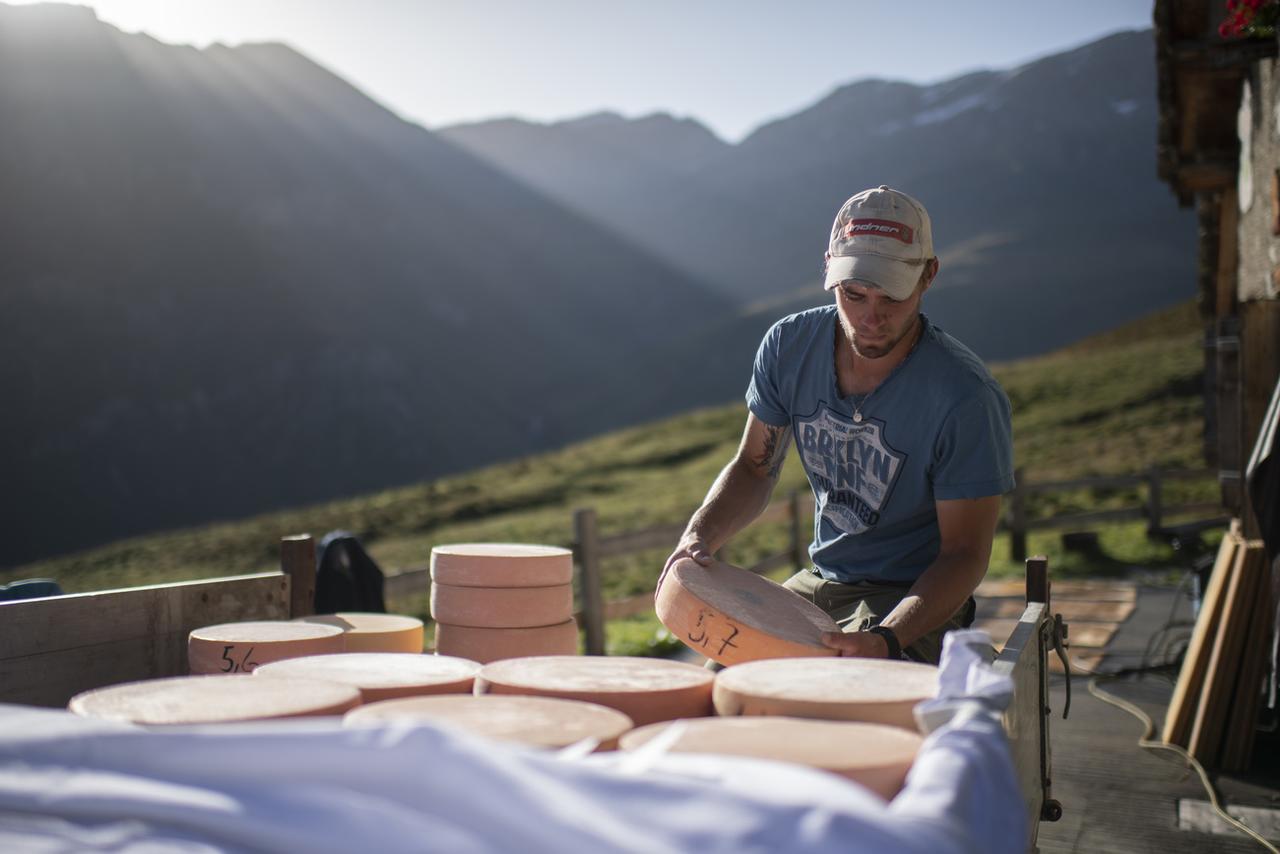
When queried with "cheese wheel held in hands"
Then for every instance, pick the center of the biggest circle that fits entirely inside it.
(731, 615)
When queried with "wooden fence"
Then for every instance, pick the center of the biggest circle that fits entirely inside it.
(1154, 510)
(590, 549)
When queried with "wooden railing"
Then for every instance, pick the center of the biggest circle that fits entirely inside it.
(590, 549)
(1154, 510)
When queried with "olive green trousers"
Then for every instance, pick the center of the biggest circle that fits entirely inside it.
(858, 606)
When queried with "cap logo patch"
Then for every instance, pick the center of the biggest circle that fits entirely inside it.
(879, 228)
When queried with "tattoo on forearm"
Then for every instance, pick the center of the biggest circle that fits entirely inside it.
(775, 450)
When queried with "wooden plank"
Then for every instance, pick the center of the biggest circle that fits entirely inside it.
(53, 678)
(1072, 610)
(1206, 731)
(1021, 659)
(1091, 636)
(1119, 481)
(1246, 695)
(1188, 474)
(621, 609)
(1186, 692)
(664, 537)
(1081, 519)
(1095, 591)
(771, 563)
(52, 649)
(411, 582)
(32, 626)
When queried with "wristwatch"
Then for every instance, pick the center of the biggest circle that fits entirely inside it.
(891, 639)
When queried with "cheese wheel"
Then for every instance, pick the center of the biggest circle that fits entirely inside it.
(486, 645)
(240, 647)
(731, 615)
(501, 565)
(873, 690)
(876, 756)
(501, 607)
(373, 632)
(214, 699)
(536, 721)
(644, 689)
(382, 675)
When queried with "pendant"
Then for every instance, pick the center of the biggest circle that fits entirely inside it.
(857, 418)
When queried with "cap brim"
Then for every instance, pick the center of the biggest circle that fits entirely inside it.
(896, 278)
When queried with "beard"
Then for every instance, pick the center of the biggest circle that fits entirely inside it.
(878, 349)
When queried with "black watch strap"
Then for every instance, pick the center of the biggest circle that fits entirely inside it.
(891, 639)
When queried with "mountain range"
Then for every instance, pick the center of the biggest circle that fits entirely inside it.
(233, 282)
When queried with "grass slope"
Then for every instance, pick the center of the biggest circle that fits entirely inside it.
(1117, 403)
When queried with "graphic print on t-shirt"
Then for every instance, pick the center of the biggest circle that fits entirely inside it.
(851, 467)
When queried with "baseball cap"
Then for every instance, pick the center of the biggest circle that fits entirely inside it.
(881, 237)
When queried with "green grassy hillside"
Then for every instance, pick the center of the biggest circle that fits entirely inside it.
(1116, 404)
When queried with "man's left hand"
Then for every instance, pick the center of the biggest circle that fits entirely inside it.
(857, 644)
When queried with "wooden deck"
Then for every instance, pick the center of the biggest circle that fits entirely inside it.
(1116, 796)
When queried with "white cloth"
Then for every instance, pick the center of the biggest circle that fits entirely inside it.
(70, 784)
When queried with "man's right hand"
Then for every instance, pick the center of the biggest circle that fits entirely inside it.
(694, 549)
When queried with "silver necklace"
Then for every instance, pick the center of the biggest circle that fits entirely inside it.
(857, 407)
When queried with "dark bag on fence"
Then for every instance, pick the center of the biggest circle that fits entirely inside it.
(347, 579)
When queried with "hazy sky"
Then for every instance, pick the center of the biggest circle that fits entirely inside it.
(732, 65)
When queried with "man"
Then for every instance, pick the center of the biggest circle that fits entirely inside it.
(903, 433)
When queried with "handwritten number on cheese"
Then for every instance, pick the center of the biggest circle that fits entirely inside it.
(244, 665)
(708, 629)
(701, 639)
(728, 642)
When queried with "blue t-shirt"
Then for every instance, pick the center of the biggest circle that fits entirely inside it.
(938, 428)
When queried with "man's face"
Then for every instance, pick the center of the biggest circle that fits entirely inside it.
(873, 321)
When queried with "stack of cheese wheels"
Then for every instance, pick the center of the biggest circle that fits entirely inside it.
(374, 632)
(872, 690)
(731, 615)
(214, 699)
(382, 675)
(646, 690)
(536, 721)
(501, 600)
(241, 647)
(874, 755)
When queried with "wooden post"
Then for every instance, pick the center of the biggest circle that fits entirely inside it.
(1155, 498)
(1038, 580)
(799, 555)
(298, 561)
(586, 544)
(1018, 519)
